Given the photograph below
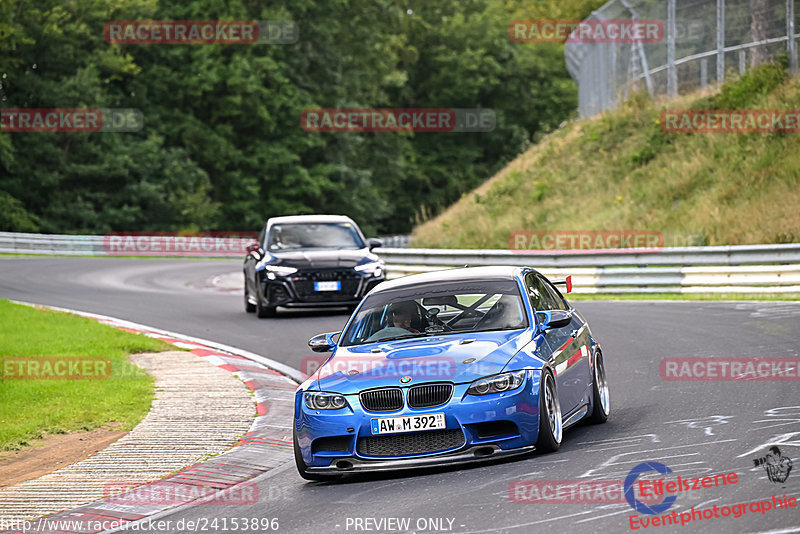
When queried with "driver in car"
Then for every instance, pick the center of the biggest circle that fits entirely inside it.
(403, 314)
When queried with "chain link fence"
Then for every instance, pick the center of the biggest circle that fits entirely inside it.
(703, 40)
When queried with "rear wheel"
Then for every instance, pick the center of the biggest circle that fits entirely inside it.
(601, 406)
(550, 426)
(301, 464)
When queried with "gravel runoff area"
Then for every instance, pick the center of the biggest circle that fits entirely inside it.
(199, 410)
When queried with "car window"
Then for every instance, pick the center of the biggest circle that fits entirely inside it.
(439, 309)
(301, 236)
(542, 294)
(534, 291)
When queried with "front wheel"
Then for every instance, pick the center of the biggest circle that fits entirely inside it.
(550, 425)
(264, 311)
(601, 406)
(249, 307)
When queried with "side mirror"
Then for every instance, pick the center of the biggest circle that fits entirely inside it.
(255, 248)
(554, 319)
(323, 342)
(374, 243)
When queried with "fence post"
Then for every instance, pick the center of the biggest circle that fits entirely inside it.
(672, 73)
(612, 74)
(703, 73)
(637, 46)
(791, 44)
(721, 41)
(742, 61)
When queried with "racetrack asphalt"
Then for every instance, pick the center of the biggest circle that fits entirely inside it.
(696, 428)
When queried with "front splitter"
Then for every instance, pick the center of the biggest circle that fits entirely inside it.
(477, 453)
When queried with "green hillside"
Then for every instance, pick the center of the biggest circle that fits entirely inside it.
(620, 171)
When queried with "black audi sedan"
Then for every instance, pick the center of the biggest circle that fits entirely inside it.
(309, 261)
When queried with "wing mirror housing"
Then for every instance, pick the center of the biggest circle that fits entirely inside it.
(374, 243)
(554, 319)
(323, 342)
(255, 248)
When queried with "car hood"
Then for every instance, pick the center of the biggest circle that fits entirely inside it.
(321, 259)
(454, 358)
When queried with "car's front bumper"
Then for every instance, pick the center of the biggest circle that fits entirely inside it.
(476, 453)
(290, 291)
(475, 416)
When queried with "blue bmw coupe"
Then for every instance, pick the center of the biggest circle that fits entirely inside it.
(452, 366)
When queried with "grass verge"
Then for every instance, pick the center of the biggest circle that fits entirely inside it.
(621, 171)
(31, 409)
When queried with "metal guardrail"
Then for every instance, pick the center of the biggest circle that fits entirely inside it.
(54, 244)
(722, 269)
(396, 241)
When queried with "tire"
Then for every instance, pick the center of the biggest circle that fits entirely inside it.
(301, 464)
(248, 306)
(264, 311)
(600, 395)
(550, 424)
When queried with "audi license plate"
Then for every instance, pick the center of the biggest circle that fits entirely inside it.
(407, 423)
(327, 286)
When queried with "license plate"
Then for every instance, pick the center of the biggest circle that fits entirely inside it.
(407, 423)
(327, 286)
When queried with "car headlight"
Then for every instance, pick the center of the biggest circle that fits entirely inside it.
(276, 270)
(324, 401)
(497, 383)
(375, 268)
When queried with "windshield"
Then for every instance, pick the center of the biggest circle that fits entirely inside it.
(297, 236)
(437, 308)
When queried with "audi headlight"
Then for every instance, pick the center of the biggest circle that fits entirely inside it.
(497, 383)
(277, 270)
(324, 401)
(375, 268)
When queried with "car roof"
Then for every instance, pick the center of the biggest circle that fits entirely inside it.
(495, 272)
(309, 219)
